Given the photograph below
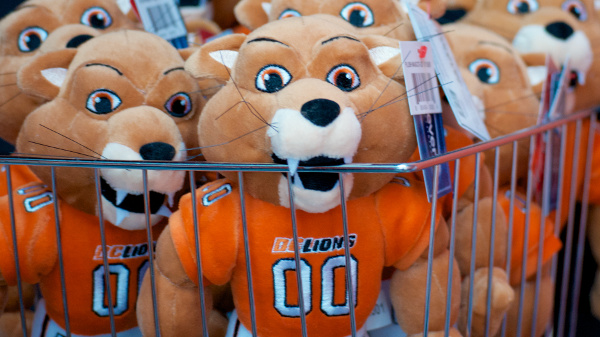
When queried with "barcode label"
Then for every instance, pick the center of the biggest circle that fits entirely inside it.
(425, 88)
(161, 17)
(422, 88)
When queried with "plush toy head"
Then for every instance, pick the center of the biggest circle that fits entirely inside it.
(124, 96)
(380, 17)
(497, 77)
(562, 28)
(308, 97)
(23, 34)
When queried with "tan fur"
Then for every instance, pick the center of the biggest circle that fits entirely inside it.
(388, 17)
(494, 15)
(48, 16)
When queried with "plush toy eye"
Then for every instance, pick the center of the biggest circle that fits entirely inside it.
(486, 70)
(522, 6)
(272, 78)
(31, 39)
(289, 13)
(576, 8)
(179, 105)
(358, 14)
(103, 101)
(344, 77)
(96, 17)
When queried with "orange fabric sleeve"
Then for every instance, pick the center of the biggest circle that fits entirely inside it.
(595, 177)
(36, 236)
(405, 214)
(217, 213)
(551, 244)
(20, 176)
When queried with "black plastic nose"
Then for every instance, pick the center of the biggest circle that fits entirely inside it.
(320, 112)
(157, 151)
(559, 30)
(78, 41)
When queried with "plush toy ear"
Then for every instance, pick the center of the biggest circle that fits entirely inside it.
(44, 75)
(253, 13)
(216, 58)
(187, 52)
(385, 53)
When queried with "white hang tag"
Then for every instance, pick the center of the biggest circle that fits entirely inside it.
(161, 17)
(420, 79)
(453, 84)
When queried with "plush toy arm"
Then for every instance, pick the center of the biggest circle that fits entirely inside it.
(179, 310)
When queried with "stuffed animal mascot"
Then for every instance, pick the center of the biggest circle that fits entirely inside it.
(131, 100)
(301, 92)
(498, 79)
(379, 17)
(22, 35)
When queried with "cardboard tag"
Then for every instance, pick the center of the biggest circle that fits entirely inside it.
(162, 17)
(382, 313)
(420, 78)
(553, 106)
(453, 84)
(425, 105)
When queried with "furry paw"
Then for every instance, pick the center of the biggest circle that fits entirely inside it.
(502, 298)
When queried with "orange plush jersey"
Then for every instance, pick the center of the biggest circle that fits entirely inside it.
(20, 175)
(388, 228)
(595, 176)
(551, 243)
(127, 253)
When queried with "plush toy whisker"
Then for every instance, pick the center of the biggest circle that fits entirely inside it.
(251, 108)
(57, 148)
(49, 156)
(399, 98)
(228, 109)
(389, 81)
(229, 142)
(393, 29)
(434, 35)
(74, 141)
(207, 89)
(11, 99)
(11, 73)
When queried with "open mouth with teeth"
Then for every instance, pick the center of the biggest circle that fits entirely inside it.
(127, 203)
(316, 181)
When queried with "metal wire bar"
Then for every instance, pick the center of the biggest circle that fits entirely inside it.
(297, 258)
(111, 312)
(511, 219)
(436, 180)
(247, 252)
(15, 248)
(492, 243)
(245, 167)
(150, 251)
(198, 257)
(452, 249)
(473, 241)
(545, 205)
(347, 253)
(561, 180)
(526, 235)
(570, 232)
(61, 263)
(582, 227)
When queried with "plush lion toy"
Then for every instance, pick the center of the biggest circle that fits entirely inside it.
(22, 35)
(301, 92)
(379, 17)
(132, 101)
(498, 79)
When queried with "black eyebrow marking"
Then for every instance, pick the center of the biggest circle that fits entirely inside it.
(266, 39)
(340, 37)
(105, 65)
(497, 45)
(171, 70)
